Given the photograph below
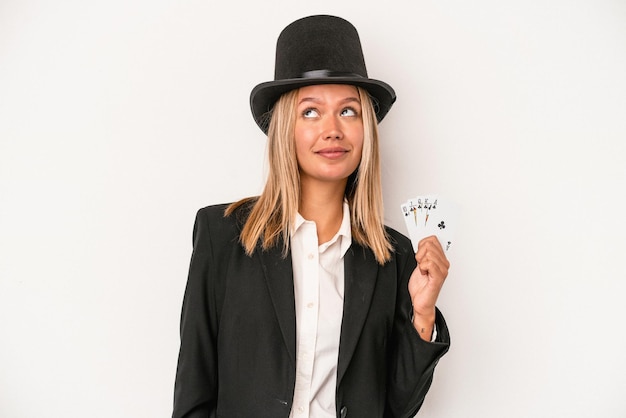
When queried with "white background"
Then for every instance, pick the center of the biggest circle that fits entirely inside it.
(119, 119)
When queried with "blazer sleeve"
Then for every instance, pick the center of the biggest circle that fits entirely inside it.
(195, 390)
(412, 360)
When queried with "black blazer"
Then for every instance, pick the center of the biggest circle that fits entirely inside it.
(238, 331)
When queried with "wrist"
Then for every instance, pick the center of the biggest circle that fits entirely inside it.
(424, 324)
(424, 315)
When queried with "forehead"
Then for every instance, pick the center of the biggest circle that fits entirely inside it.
(328, 92)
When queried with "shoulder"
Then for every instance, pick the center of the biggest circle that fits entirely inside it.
(213, 216)
(213, 211)
(212, 221)
(234, 214)
(225, 220)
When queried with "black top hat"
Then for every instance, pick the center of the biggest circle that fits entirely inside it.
(318, 50)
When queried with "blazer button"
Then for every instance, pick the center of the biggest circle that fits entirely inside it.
(344, 412)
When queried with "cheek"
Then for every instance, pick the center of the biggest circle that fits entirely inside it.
(299, 153)
(304, 139)
(300, 134)
(300, 145)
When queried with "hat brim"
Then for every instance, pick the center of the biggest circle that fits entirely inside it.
(264, 96)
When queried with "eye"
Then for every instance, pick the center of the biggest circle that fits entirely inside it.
(348, 111)
(310, 113)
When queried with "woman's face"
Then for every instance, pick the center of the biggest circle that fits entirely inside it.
(328, 132)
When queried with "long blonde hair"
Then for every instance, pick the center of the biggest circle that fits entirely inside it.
(273, 213)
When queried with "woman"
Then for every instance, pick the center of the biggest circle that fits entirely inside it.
(300, 302)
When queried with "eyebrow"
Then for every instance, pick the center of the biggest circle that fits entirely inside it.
(317, 100)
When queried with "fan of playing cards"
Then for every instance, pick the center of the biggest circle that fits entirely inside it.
(429, 215)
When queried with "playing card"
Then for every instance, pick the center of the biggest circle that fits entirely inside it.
(429, 215)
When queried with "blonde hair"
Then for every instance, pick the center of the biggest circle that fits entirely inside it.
(273, 213)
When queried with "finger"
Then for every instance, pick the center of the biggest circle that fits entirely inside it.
(431, 250)
(432, 254)
(434, 264)
(430, 240)
(428, 244)
(433, 269)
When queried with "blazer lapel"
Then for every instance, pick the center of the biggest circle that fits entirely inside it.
(361, 270)
(278, 273)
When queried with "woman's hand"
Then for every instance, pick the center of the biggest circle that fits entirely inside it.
(425, 284)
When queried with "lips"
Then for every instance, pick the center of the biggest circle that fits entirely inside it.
(332, 152)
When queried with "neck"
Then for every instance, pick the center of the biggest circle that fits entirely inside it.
(323, 204)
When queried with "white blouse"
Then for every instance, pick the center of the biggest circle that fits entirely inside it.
(318, 278)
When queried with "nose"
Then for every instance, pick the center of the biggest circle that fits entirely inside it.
(332, 128)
